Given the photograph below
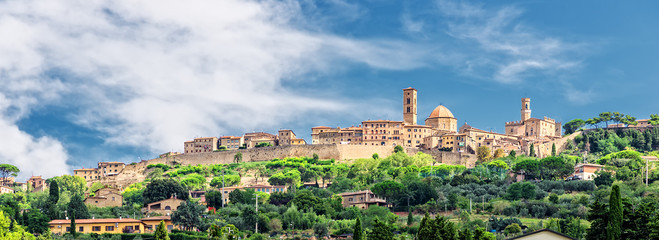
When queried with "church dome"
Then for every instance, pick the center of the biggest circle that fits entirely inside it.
(441, 112)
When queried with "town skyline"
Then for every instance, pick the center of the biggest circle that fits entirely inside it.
(332, 64)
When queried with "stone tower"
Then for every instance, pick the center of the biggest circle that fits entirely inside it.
(409, 106)
(526, 109)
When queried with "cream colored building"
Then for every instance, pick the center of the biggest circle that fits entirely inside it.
(200, 145)
(586, 171)
(37, 183)
(441, 119)
(104, 169)
(287, 137)
(383, 132)
(362, 199)
(99, 226)
(105, 197)
(315, 132)
(414, 135)
(533, 127)
(163, 207)
(253, 139)
(4, 190)
(232, 142)
(543, 234)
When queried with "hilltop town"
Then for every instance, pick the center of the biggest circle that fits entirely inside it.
(385, 168)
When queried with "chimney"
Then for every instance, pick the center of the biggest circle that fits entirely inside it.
(119, 217)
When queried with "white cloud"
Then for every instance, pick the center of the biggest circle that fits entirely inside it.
(152, 74)
(506, 50)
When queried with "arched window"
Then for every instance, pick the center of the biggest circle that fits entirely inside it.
(168, 208)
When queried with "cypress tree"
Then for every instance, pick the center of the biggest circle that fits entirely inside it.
(358, 233)
(77, 206)
(614, 227)
(161, 232)
(53, 198)
(553, 149)
(73, 225)
(425, 228)
(380, 231)
(410, 217)
(465, 234)
(532, 151)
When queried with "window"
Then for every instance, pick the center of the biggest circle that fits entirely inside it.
(109, 228)
(168, 208)
(96, 228)
(349, 199)
(68, 229)
(408, 102)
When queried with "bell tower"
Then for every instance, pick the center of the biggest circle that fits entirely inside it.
(409, 106)
(526, 109)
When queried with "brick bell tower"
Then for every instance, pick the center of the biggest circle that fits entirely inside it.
(409, 106)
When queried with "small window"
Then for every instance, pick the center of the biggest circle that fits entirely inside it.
(109, 228)
(81, 229)
(96, 228)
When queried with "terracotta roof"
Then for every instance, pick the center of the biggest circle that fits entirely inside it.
(102, 220)
(355, 193)
(320, 127)
(441, 111)
(263, 186)
(155, 218)
(165, 200)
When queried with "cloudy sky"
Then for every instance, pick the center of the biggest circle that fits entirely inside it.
(87, 81)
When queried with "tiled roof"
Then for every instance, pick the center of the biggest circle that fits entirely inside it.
(101, 220)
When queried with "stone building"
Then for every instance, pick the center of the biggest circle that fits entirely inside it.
(105, 197)
(104, 169)
(4, 190)
(232, 142)
(442, 120)
(362, 199)
(252, 139)
(533, 127)
(200, 145)
(287, 137)
(383, 132)
(163, 207)
(37, 183)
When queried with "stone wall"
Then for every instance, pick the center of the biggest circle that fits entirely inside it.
(452, 158)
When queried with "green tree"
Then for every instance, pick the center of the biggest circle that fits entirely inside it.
(410, 217)
(161, 189)
(238, 157)
(512, 229)
(188, 215)
(603, 178)
(481, 234)
(465, 234)
(161, 232)
(8, 170)
(483, 153)
(599, 218)
(553, 149)
(573, 125)
(555, 168)
(606, 117)
(398, 148)
(214, 232)
(532, 150)
(320, 229)
(512, 154)
(614, 226)
(214, 199)
(499, 153)
(521, 190)
(72, 229)
(53, 198)
(77, 207)
(357, 232)
(529, 167)
(380, 231)
(230, 232)
(375, 156)
(36, 222)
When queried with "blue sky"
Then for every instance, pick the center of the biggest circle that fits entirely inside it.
(111, 80)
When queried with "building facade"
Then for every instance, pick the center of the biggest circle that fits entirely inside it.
(105, 197)
(533, 127)
(99, 226)
(163, 207)
(232, 142)
(104, 169)
(362, 199)
(200, 145)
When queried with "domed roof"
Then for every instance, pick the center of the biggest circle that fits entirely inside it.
(442, 112)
